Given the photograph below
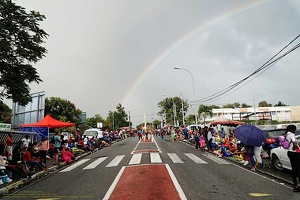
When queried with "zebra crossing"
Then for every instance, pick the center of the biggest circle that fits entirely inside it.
(155, 158)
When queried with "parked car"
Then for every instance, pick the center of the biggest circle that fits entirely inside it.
(93, 132)
(279, 157)
(272, 138)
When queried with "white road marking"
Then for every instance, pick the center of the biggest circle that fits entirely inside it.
(195, 158)
(115, 161)
(75, 165)
(135, 159)
(95, 163)
(158, 149)
(218, 160)
(155, 158)
(176, 184)
(175, 158)
(135, 147)
(114, 184)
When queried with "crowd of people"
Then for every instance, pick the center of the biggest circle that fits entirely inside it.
(23, 158)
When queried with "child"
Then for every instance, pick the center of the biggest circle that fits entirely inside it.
(202, 141)
(67, 156)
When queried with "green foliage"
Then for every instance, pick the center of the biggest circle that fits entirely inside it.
(5, 113)
(244, 105)
(264, 104)
(279, 104)
(169, 105)
(118, 118)
(62, 109)
(206, 110)
(229, 105)
(92, 122)
(20, 46)
(156, 123)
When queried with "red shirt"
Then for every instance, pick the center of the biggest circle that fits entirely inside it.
(9, 141)
(27, 156)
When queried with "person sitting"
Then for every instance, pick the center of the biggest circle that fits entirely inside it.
(29, 161)
(67, 156)
(3, 165)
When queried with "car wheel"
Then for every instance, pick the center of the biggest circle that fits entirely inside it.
(276, 163)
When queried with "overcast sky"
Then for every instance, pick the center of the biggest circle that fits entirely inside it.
(105, 52)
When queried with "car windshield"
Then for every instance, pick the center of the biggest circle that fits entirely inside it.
(298, 139)
(276, 133)
(90, 133)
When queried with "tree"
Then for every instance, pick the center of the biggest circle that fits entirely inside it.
(279, 104)
(62, 109)
(5, 113)
(244, 105)
(170, 106)
(236, 105)
(20, 47)
(228, 106)
(156, 123)
(206, 110)
(264, 104)
(92, 121)
(118, 118)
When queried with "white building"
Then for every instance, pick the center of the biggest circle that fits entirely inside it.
(283, 113)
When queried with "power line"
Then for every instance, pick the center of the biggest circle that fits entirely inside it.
(265, 65)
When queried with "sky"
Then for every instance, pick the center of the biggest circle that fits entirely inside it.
(105, 52)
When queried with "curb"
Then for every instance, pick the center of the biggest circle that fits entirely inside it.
(18, 184)
(258, 170)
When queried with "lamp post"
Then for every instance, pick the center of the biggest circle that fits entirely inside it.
(196, 121)
(174, 110)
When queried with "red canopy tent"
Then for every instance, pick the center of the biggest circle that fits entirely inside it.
(227, 123)
(49, 122)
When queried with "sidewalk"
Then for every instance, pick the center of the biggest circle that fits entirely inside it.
(7, 188)
(268, 171)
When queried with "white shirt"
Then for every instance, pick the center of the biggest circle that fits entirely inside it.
(209, 135)
(26, 142)
(85, 140)
(291, 138)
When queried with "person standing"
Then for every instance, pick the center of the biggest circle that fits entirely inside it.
(9, 147)
(209, 139)
(293, 155)
(173, 134)
(43, 146)
(57, 147)
(197, 140)
(250, 152)
(26, 141)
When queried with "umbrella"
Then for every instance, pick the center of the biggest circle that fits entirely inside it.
(250, 135)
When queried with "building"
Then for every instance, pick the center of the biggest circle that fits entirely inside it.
(282, 113)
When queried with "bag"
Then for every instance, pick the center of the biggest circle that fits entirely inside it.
(284, 142)
(52, 140)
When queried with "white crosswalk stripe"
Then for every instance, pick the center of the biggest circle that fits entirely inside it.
(155, 158)
(135, 159)
(218, 160)
(115, 161)
(80, 162)
(195, 158)
(95, 163)
(175, 158)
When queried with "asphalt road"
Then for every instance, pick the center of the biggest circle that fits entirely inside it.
(210, 178)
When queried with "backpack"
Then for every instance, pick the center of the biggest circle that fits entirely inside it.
(52, 140)
(284, 142)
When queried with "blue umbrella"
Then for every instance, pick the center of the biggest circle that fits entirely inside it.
(250, 135)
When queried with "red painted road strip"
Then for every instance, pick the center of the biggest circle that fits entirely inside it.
(145, 182)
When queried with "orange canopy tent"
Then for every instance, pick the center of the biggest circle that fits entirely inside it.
(49, 122)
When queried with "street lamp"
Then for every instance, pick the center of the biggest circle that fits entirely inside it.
(196, 121)
(174, 110)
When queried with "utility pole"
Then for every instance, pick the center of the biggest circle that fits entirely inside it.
(182, 112)
(254, 111)
(129, 121)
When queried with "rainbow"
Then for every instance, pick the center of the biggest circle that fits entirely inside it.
(203, 26)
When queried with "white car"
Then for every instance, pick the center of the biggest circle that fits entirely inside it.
(279, 157)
